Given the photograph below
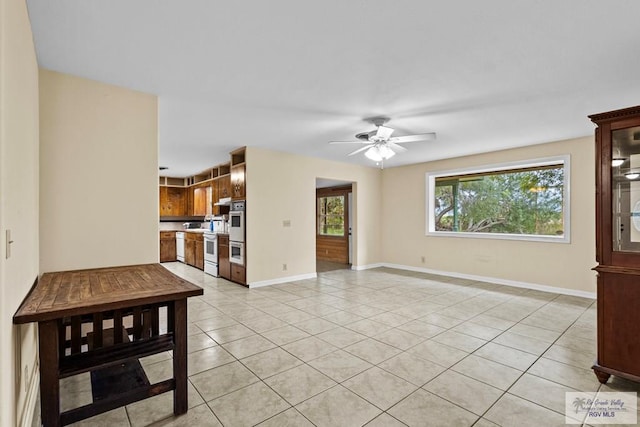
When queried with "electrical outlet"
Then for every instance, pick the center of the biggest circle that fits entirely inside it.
(422, 259)
(284, 267)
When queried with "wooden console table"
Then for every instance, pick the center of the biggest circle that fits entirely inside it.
(72, 309)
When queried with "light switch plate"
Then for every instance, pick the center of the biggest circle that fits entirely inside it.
(8, 243)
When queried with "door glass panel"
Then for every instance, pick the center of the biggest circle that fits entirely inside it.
(625, 181)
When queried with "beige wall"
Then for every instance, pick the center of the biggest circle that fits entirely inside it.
(18, 210)
(280, 187)
(98, 174)
(549, 264)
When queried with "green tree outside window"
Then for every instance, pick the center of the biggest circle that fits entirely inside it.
(525, 201)
(331, 216)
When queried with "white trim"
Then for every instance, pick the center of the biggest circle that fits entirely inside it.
(506, 282)
(279, 280)
(29, 409)
(367, 266)
(565, 159)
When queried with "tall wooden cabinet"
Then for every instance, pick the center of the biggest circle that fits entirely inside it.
(618, 243)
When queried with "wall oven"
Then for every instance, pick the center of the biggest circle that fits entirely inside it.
(236, 222)
(236, 252)
(211, 254)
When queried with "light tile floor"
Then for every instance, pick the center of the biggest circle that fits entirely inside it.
(378, 347)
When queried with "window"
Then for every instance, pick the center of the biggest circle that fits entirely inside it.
(524, 200)
(331, 215)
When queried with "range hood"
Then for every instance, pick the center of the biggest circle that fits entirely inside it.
(225, 201)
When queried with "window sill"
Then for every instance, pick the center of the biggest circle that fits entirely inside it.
(499, 236)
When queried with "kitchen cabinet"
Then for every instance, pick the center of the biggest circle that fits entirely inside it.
(167, 246)
(237, 182)
(194, 249)
(189, 250)
(224, 265)
(618, 243)
(224, 186)
(238, 273)
(238, 173)
(173, 201)
(202, 199)
(215, 197)
(199, 257)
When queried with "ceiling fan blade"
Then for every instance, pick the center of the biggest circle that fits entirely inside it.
(359, 150)
(349, 142)
(413, 138)
(398, 148)
(384, 132)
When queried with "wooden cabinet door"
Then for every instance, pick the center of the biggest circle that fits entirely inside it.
(215, 196)
(199, 255)
(225, 186)
(173, 201)
(238, 182)
(190, 251)
(238, 273)
(224, 266)
(177, 201)
(164, 201)
(209, 197)
(199, 201)
(167, 247)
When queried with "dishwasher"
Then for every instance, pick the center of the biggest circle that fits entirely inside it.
(180, 246)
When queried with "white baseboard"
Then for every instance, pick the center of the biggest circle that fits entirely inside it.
(29, 410)
(282, 280)
(367, 266)
(506, 282)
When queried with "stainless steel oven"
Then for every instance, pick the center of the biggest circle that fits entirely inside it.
(236, 252)
(211, 253)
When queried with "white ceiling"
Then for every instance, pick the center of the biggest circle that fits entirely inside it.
(292, 75)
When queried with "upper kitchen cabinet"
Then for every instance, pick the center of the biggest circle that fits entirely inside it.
(173, 201)
(224, 181)
(238, 173)
(202, 199)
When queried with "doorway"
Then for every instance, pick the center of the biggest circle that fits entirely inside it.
(334, 228)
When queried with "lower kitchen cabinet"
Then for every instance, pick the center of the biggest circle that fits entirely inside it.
(189, 251)
(200, 254)
(194, 250)
(238, 273)
(168, 246)
(224, 266)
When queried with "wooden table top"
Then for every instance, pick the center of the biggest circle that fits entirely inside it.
(78, 292)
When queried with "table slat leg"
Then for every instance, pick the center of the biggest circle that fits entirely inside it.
(49, 383)
(179, 320)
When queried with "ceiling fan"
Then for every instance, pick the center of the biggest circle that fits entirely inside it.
(379, 144)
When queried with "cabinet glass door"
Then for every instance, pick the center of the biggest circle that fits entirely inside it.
(625, 181)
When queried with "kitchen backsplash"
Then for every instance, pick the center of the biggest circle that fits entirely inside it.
(167, 226)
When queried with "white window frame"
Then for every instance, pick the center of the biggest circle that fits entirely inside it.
(566, 200)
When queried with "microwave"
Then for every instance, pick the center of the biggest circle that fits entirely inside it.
(236, 252)
(236, 226)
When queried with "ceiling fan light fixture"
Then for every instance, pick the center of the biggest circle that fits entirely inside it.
(386, 152)
(379, 152)
(617, 161)
(373, 154)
